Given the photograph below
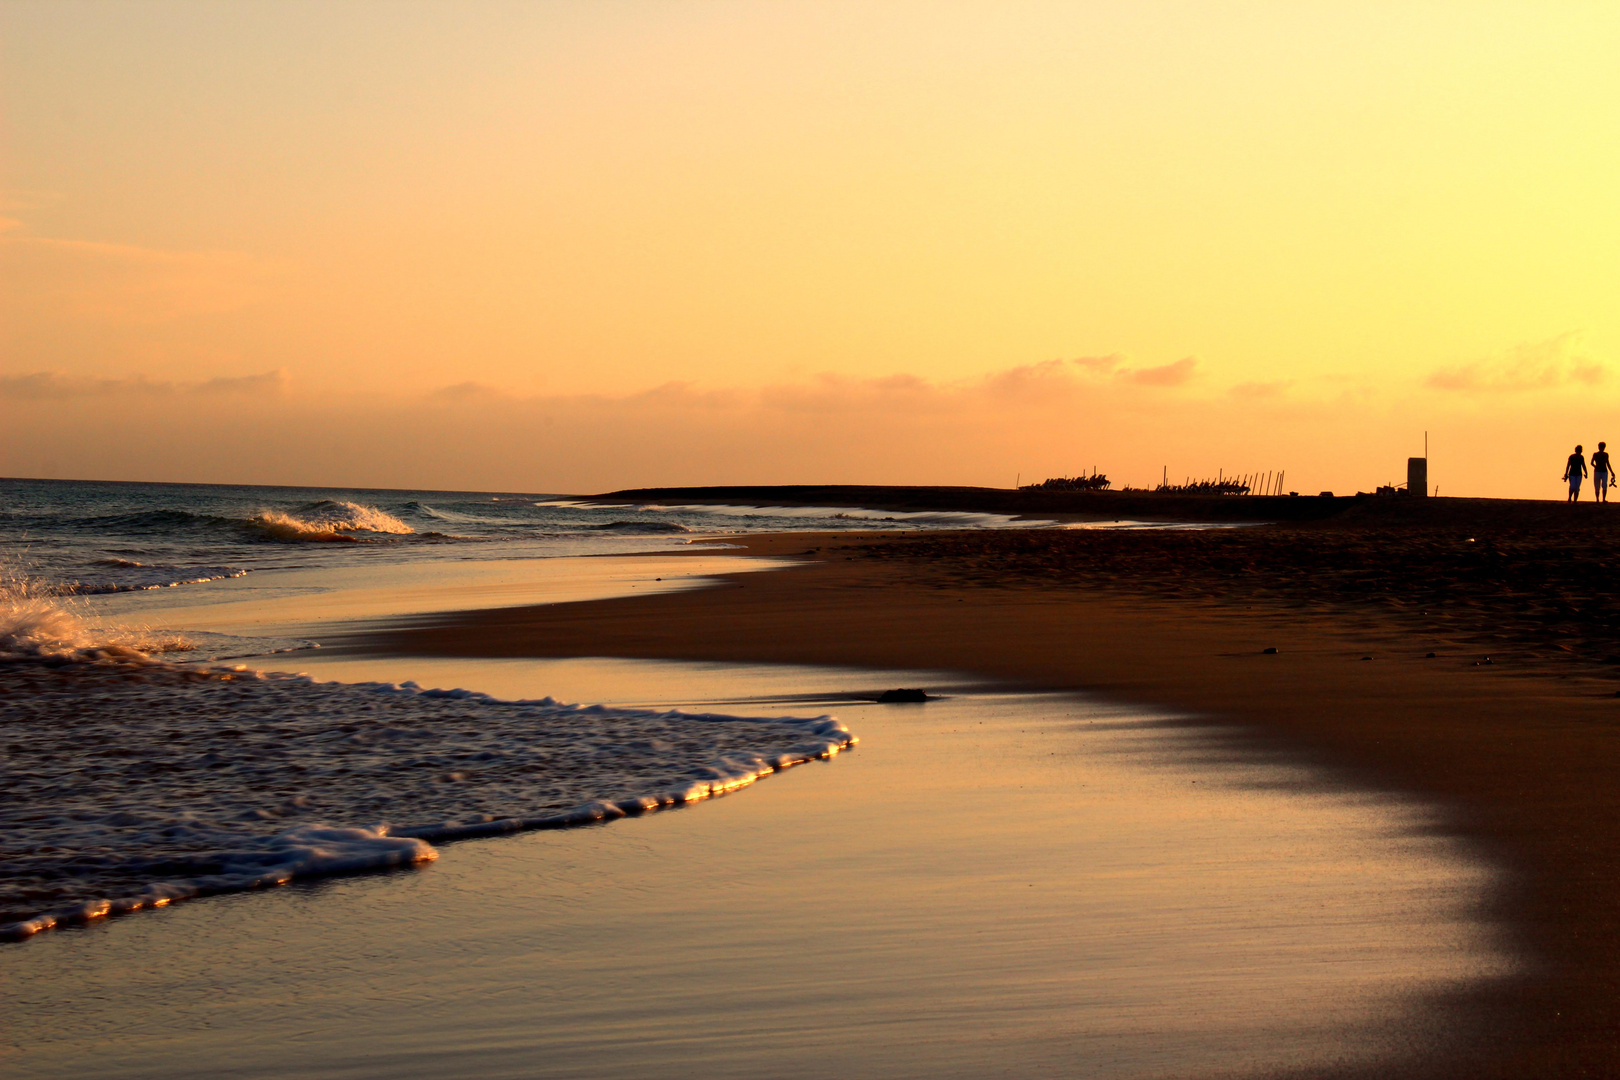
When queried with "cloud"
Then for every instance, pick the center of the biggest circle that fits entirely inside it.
(57, 386)
(1102, 364)
(1040, 420)
(1543, 365)
(39, 386)
(1168, 375)
(465, 391)
(1051, 385)
(1029, 383)
(270, 382)
(1254, 391)
(829, 393)
(1174, 374)
(1044, 419)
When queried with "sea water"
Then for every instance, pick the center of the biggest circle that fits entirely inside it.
(140, 771)
(991, 884)
(89, 538)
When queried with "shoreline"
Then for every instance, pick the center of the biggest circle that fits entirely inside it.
(954, 899)
(1360, 509)
(1521, 758)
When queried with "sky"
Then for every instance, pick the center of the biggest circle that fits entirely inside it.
(572, 247)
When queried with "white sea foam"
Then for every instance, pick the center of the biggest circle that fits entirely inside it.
(245, 862)
(38, 623)
(456, 517)
(128, 575)
(130, 783)
(328, 520)
(33, 625)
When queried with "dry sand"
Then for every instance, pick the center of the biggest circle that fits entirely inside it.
(1524, 750)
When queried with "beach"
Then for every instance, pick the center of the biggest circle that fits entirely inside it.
(809, 541)
(1318, 798)
(1522, 750)
(991, 883)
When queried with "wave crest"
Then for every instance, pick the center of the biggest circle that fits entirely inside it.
(329, 520)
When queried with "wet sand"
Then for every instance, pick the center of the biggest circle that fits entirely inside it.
(1523, 751)
(991, 884)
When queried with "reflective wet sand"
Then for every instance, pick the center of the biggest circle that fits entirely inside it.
(306, 600)
(991, 884)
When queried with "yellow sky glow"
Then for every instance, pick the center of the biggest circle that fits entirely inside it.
(1357, 221)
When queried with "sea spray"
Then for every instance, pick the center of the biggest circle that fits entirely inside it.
(38, 622)
(327, 520)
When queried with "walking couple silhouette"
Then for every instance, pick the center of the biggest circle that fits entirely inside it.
(1602, 474)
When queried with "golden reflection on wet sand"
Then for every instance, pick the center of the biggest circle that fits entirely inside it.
(306, 600)
(992, 884)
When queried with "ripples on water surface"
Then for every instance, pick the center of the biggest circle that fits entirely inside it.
(990, 885)
(106, 537)
(132, 784)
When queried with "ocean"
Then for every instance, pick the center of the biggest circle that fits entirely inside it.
(78, 537)
(992, 883)
(155, 748)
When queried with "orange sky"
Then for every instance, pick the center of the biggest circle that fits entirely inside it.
(572, 246)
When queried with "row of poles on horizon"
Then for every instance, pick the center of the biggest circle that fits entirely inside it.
(1259, 483)
(1266, 483)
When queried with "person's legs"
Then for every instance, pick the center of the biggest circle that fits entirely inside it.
(1574, 486)
(1600, 488)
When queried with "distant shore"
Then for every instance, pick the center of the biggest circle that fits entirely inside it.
(1346, 508)
(1523, 749)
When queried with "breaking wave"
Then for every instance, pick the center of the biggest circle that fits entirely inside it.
(323, 520)
(328, 520)
(38, 623)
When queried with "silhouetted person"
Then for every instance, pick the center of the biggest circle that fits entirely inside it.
(1602, 473)
(1575, 472)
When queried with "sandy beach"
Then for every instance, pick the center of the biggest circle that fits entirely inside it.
(1522, 749)
(1323, 797)
(991, 884)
